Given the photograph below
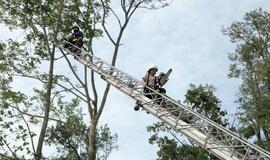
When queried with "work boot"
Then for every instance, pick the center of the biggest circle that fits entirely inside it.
(136, 107)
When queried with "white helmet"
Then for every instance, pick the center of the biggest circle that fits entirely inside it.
(152, 66)
(75, 25)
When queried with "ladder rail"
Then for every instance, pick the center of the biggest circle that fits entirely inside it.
(212, 134)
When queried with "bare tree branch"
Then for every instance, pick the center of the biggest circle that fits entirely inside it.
(29, 131)
(35, 116)
(64, 142)
(9, 148)
(3, 155)
(60, 85)
(118, 20)
(103, 23)
(43, 27)
(134, 9)
(90, 109)
(90, 48)
(72, 69)
(81, 82)
(70, 90)
(123, 5)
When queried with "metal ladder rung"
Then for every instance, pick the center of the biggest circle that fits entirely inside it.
(181, 121)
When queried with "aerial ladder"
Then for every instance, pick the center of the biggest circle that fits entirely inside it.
(213, 137)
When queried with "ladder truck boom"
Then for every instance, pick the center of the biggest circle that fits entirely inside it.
(213, 137)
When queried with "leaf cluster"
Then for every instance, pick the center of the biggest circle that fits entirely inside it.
(250, 62)
(171, 145)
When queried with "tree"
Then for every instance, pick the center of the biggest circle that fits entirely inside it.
(202, 100)
(70, 137)
(250, 62)
(171, 145)
(35, 59)
(94, 107)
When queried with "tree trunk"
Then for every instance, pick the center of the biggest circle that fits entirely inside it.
(47, 105)
(92, 140)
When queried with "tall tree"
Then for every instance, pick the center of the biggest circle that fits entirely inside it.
(171, 145)
(34, 58)
(20, 61)
(128, 8)
(251, 63)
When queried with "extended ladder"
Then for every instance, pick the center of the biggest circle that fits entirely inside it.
(213, 137)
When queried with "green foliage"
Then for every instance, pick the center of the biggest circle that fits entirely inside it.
(43, 25)
(70, 134)
(202, 100)
(172, 147)
(250, 62)
(32, 56)
(14, 61)
(10, 102)
(106, 142)
(151, 4)
(168, 149)
(26, 57)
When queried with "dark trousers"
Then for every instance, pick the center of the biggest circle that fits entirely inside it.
(152, 95)
(78, 43)
(73, 49)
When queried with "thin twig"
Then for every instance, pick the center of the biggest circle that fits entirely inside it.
(29, 131)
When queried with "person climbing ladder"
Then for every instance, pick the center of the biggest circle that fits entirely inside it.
(76, 39)
(151, 80)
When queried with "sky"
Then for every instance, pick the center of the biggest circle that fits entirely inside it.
(187, 37)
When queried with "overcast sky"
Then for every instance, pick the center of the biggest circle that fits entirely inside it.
(187, 37)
